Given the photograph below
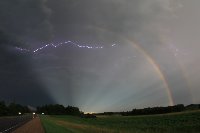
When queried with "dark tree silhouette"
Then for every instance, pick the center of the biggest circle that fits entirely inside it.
(59, 110)
(12, 109)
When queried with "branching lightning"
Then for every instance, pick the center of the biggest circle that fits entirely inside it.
(59, 44)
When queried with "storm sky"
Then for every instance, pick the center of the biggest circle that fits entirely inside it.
(100, 55)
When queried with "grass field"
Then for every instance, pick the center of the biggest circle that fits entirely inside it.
(187, 122)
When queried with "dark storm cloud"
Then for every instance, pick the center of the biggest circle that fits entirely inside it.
(18, 83)
(27, 20)
(68, 72)
(85, 19)
(39, 20)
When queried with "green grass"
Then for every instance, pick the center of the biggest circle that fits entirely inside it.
(187, 122)
(51, 127)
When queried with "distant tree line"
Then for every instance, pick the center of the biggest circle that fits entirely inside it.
(56, 109)
(192, 107)
(59, 110)
(12, 109)
(155, 110)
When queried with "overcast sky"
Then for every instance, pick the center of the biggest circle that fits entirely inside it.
(123, 54)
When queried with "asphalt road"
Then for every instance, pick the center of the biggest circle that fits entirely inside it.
(8, 124)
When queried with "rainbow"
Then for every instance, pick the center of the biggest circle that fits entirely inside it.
(149, 59)
(156, 68)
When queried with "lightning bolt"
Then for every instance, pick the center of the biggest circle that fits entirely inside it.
(60, 44)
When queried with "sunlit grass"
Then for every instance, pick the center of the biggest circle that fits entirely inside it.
(51, 127)
(188, 122)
